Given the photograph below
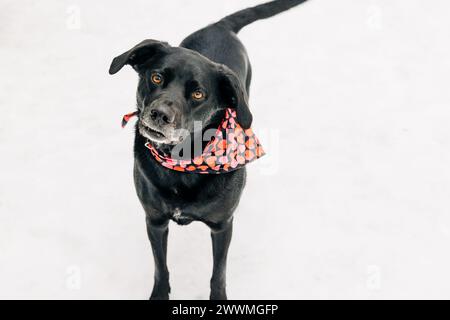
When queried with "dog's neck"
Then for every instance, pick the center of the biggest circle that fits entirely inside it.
(164, 178)
(162, 147)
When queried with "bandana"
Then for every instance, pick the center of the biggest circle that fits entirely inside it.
(229, 149)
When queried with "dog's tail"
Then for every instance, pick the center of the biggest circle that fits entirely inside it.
(240, 19)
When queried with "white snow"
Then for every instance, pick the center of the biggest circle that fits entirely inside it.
(350, 100)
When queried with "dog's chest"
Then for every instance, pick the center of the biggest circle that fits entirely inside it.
(180, 218)
(184, 206)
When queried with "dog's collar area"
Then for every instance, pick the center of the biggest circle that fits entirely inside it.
(229, 149)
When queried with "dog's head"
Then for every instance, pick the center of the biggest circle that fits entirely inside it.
(179, 87)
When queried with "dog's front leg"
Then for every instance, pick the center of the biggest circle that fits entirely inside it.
(221, 238)
(158, 233)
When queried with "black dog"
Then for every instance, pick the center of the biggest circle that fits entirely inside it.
(208, 72)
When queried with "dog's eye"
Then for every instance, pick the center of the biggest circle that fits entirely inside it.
(198, 94)
(157, 78)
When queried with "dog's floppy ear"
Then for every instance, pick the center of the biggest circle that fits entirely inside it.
(138, 54)
(233, 94)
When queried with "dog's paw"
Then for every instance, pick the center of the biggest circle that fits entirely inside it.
(159, 297)
(218, 295)
(160, 292)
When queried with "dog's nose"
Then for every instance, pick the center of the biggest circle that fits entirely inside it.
(163, 114)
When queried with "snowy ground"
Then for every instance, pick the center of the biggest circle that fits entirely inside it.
(350, 99)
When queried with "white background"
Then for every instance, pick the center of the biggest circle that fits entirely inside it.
(351, 202)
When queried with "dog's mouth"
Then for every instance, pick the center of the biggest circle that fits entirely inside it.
(152, 133)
